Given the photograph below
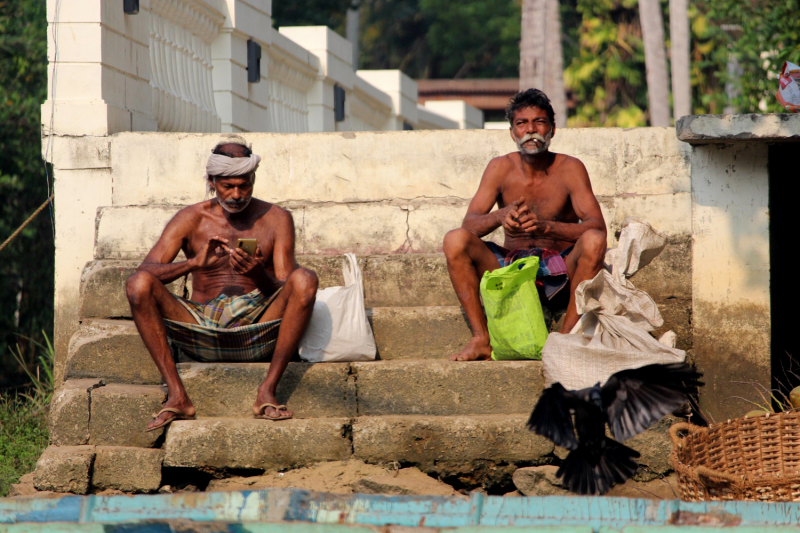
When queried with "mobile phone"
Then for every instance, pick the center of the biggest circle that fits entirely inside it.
(248, 245)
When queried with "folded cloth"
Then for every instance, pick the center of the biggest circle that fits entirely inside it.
(552, 274)
(227, 329)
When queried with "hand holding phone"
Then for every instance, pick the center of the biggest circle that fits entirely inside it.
(248, 246)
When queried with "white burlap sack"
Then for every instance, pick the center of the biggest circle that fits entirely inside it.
(339, 329)
(612, 333)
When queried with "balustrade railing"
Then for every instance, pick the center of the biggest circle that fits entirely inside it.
(289, 80)
(181, 32)
(367, 111)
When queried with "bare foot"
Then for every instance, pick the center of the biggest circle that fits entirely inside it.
(185, 406)
(477, 349)
(271, 412)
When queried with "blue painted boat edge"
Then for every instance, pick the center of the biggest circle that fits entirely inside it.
(292, 505)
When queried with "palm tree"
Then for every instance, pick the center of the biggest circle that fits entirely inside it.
(679, 59)
(655, 59)
(541, 62)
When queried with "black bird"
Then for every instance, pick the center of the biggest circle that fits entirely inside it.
(629, 402)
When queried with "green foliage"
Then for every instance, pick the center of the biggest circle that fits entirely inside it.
(331, 13)
(23, 427)
(42, 382)
(769, 34)
(23, 437)
(607, 76)
(473, 39)
(26, 265)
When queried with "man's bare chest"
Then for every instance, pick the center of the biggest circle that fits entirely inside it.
(547, 199)
(259, 230)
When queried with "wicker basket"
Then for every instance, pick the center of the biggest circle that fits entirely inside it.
(754, 458)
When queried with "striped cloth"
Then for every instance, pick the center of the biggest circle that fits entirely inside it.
(552, 274)
(227, 329)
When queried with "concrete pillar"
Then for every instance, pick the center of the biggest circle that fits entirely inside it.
(731, 277)
(102, 69)
(335, 55)
(467, 117)
(242, 106)
(402, 90)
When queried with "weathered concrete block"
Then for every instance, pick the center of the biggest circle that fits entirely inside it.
(129, 232)
(64, 469)
(668, 213)
(669, 275)
(654, 161)
(309, 390)
(398, 280)
(419, 332)
(241, 443)
(330, 228)
(103, 288)
(429, 222)
(739, 128)
(539, 481)
(68, 418)
(112, 350)
(448, 444)
(405, 482)
(598, 150)
(444, 388)
(654, 445)
(127, 469)
(677, 315)
(120, 413)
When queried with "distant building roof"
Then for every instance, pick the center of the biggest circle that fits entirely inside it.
(487, 95)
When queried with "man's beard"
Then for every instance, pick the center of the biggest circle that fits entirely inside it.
(234, 206)
(541, 148)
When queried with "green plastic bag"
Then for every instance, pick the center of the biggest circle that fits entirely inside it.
(513, 310)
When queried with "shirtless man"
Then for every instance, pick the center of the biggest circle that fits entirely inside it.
(544, 201)
(265, 295)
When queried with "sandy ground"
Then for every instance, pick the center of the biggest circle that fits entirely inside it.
(342, 477)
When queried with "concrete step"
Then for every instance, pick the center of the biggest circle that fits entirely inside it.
(470, 448)
(398, 280)
(113, 349)
(410, 280)
(439, 388)
(445, 445)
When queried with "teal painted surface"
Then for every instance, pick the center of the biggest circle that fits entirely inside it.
(571, 514)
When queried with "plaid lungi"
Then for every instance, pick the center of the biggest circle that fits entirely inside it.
(227, 329)
(552, 274)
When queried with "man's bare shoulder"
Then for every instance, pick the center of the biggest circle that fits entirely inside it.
(501, 165)
(569, 162)
(191, 215)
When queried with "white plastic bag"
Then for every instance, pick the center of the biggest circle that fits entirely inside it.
(612, 333)
(339, 329)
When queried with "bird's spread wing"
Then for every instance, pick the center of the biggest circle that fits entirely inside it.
(551, 417)
(635, 399)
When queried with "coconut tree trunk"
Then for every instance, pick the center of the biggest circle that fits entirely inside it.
(352, 33)
(554, 64)
(679, 59)
(541, 62)
(532, 44)
(655, 59)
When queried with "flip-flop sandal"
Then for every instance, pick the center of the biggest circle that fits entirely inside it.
(262, 412)
(179, 415)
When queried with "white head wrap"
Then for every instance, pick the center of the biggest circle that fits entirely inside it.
(222, 165)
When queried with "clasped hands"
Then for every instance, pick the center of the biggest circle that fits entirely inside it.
(518, 220)
(216, 250)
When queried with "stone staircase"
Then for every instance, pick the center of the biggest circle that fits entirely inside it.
(463, 422)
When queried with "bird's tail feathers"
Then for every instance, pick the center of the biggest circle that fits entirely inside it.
(587, 472)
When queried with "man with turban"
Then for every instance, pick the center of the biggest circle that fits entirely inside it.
(243, 308)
